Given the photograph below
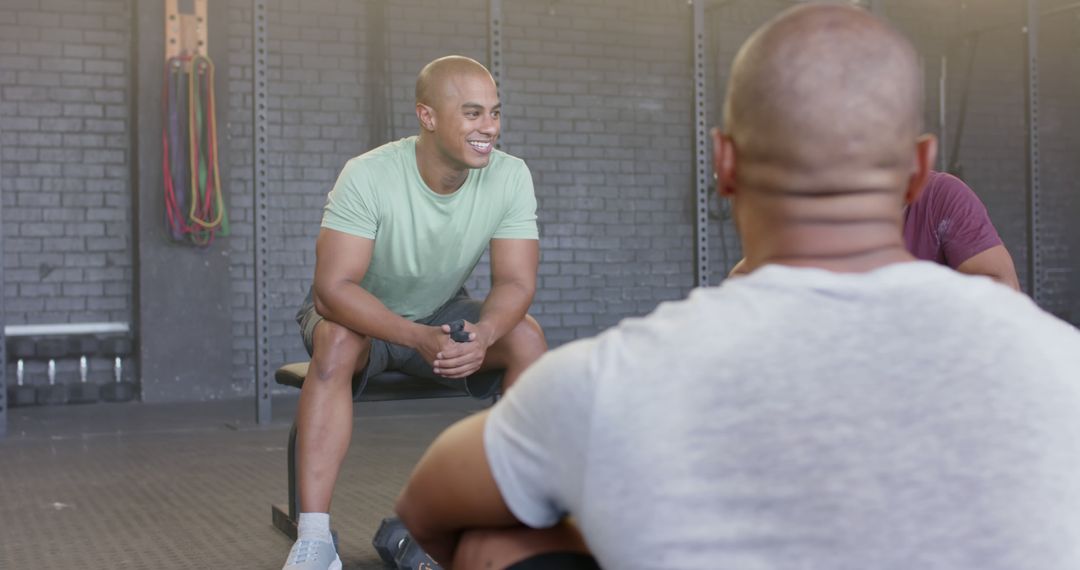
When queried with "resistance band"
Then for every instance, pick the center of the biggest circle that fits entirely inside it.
(194, 205)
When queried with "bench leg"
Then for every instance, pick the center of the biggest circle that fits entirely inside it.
(282, 520)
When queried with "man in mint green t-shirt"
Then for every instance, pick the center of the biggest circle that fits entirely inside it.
(402, 229)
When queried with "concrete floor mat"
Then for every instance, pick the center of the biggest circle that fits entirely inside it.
(188, 485)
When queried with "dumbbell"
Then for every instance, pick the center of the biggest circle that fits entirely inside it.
(83, 392)
(120, 390)
(20, 394)
(411, 557)
(458, 332)
(397, 548)
(51, 394)
(389, 538)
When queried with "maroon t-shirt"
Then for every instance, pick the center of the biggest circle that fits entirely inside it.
(947, 223)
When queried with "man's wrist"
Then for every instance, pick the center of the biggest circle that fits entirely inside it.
(486, 334)
(414, 335)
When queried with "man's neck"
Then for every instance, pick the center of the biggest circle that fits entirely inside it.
(846, 232)
(845, 248)
(439, 176)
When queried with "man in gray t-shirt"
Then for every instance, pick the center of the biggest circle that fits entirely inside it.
(842, 406)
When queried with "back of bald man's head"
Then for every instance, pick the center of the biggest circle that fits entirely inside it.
(825, 86)
(431, 83)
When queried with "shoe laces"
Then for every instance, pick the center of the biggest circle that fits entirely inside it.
(304, 551)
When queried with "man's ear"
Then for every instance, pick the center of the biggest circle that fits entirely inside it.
(925, 154)
(426, 116)
(723, 162)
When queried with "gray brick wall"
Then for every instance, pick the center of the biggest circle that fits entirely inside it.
(239, 194)
(64, 154)
(728, 25)
(597, 97)
(318, 71)
(1059, 110)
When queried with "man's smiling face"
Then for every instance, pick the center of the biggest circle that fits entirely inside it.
(467, 120)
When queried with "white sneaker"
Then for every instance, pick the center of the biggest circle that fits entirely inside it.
(312, 555)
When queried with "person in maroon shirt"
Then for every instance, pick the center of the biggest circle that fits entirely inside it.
(948, 224)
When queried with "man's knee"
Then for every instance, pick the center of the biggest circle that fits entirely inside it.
(337, 352)
(527, 337)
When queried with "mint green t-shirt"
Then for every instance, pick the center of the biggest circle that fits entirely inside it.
(427, 244)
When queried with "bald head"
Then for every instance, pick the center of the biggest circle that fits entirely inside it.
(825, 88)
(436, 81)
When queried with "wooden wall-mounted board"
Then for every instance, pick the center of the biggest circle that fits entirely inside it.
(185, 28)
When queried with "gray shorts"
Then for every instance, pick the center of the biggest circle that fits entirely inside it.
(386, 356)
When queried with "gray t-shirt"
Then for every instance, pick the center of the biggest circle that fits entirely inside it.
(910, 417)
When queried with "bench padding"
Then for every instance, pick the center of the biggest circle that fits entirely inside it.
(389, 385)
(291, 374)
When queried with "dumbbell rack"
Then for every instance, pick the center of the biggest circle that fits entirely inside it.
(53, 342)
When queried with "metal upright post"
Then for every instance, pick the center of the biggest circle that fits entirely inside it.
(377, 52)
(701, 190)
(263, 369)
(3, 341)
(1035, 277)
(495, 59)
(943, 125)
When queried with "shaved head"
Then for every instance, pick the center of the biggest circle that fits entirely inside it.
(458, 111)
(822, 143)
(822, 90)
(436, 81)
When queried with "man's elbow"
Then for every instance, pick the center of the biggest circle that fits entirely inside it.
(412, 516)
(1010, 280)
(321, 308)
(323, 296)
(1004, 275)
(998, 276)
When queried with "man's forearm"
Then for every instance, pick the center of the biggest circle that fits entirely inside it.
(504, 308)
(995, 263)
(351, 306)
(739, 269)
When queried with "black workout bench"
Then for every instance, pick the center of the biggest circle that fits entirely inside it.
(384, 386)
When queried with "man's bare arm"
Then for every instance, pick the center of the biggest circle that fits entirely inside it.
(513, 284)
(995, 263)
(341, 261)
(452, 489)
(739, 269)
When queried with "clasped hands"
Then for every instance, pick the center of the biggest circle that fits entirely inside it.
(451, 359)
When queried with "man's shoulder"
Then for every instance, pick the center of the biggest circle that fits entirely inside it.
(996, 307)
(505, 175)
(385, 155)
(504, 163)
(377, 166)
(945, 190)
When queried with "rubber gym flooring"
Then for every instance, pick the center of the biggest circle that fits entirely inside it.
(162, 486)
